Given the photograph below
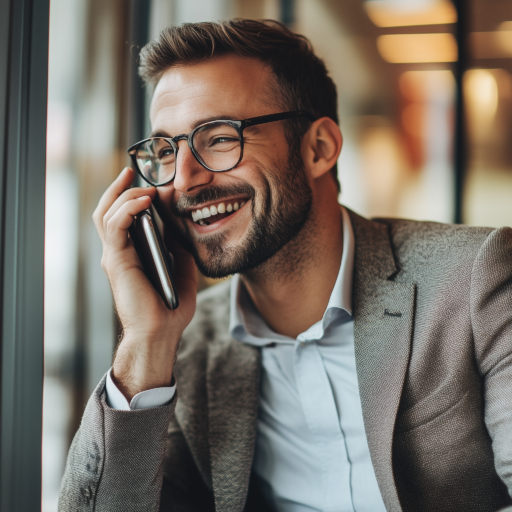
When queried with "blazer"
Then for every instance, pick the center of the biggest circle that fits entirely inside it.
(432, 306)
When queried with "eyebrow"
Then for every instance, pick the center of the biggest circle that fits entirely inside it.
(163, 133)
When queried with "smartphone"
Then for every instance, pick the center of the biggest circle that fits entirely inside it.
(155, 258)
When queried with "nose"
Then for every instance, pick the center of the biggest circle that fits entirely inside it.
(190, 174)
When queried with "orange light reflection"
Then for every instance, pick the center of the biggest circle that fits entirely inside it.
(417, 48)
(393, 14)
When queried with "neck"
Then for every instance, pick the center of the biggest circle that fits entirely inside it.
(292, 289)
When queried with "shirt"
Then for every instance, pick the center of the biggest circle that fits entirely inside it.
(311, 450)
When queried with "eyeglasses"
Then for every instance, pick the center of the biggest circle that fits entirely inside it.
(217, 145)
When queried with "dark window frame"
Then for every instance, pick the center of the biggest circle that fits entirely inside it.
(24, 30)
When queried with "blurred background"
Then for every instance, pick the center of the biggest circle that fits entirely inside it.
(413, 146)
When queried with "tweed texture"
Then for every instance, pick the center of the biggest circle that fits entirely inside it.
(452, 439)
(127, 474)
(433, 342)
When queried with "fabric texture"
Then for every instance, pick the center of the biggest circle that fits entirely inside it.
(432, 308)
(311, 451)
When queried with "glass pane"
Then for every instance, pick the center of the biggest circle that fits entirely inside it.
(156, 161)
(218, 145)
(392, 63)
(488, 104)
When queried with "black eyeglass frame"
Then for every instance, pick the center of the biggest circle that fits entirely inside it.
(239, 126)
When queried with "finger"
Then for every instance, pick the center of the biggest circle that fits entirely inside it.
(116, 229)
(120, 184)
(128, 195)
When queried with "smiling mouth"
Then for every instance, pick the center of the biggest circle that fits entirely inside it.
(216, 212)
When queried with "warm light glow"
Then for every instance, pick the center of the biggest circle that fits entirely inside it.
(505, 41)
(492, 45)
(481, 93)
(506, 26)
(415, 84)
(386, 13)
(411, 48)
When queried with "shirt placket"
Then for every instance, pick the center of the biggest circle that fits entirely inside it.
(321, 415)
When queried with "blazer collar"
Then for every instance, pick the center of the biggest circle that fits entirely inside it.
(383, 327)
(217, 408)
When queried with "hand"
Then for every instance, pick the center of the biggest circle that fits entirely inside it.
(151, 332)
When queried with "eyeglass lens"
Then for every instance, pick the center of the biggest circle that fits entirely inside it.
(217, 145)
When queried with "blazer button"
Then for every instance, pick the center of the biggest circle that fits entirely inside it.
(87, 494)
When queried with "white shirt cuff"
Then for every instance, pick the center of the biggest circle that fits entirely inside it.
(156, 397)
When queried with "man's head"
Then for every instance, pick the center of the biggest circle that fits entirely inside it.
(238, 70)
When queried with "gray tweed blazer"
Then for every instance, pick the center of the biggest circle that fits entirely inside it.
(433, 344)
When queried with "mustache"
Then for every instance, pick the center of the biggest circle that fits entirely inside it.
(214, 193)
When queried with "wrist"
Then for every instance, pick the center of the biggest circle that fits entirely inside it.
(140, 365)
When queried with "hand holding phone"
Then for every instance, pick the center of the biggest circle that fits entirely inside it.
(154, 256)
(151, 330)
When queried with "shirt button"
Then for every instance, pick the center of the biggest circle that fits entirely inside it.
(302, 343)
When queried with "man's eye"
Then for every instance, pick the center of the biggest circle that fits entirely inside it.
(223, 140)
(166, 152)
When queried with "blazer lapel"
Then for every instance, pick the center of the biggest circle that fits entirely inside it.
(232, 382)
(383, 326)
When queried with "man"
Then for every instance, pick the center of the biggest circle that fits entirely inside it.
(349, 364)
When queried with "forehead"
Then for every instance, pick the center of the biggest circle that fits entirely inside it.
(228, 86)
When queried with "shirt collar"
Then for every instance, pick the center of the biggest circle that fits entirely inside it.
(246, 324)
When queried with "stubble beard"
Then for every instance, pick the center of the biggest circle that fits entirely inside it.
(280, 209)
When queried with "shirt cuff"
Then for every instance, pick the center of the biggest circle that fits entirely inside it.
(156, 397)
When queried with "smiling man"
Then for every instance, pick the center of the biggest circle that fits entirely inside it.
(348, 365)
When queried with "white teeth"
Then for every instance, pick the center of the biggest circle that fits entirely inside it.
(205, 212)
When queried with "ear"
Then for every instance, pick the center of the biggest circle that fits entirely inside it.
(321, 147)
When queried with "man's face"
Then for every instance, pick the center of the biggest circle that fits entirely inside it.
(265, 200)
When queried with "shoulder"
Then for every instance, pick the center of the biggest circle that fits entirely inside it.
(431, 244)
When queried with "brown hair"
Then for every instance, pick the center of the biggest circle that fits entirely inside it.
(301, 77)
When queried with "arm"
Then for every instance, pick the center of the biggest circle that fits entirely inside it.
(116, 459)
(491, 315)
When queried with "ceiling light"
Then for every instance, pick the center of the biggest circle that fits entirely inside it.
(417, 48)
(393, 13)
(481, 91)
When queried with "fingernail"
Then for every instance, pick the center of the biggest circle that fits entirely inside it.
(144, 197)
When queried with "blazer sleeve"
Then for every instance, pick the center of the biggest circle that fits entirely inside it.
(115, 462)
(491, 317)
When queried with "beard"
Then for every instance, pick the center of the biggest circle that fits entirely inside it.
(280, 209)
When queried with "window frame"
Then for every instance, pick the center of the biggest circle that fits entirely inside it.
(24, 31)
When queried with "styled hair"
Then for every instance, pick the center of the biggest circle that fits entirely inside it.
(302, 79)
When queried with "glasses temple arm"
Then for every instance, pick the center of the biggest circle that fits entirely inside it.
(276, 117)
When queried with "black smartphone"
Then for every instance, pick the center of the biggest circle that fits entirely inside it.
(155, 258)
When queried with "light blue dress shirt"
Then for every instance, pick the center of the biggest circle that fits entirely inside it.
(311, 449)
